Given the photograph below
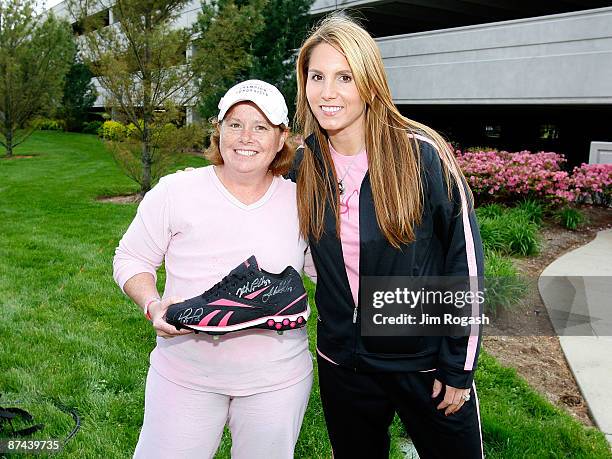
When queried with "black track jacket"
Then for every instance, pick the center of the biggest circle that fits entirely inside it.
(447, 244)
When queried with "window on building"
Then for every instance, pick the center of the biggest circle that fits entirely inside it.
(549, 132)
(492, 131)
(97, 20)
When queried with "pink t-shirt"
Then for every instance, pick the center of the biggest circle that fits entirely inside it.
(352, 170)
(201, 231)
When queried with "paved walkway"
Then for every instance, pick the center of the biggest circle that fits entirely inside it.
(577, 291)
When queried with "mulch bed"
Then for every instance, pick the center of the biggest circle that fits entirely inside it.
(124, 199)
(8, 158)
(539, 357)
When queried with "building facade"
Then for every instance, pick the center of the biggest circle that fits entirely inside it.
(492, 73)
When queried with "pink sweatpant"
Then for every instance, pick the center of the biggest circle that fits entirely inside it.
(186, 423)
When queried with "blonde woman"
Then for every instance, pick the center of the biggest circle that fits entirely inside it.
(381, 195)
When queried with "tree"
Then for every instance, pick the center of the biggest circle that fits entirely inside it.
(274, 47)
(268, 45)
(225, 30)
(79, 95)
(35, 54)
(140, 62)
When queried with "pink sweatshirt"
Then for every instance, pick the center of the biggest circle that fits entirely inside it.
(201, 231)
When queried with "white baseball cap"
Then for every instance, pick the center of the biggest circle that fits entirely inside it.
(269, 100)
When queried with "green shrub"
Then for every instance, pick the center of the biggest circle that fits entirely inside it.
(483, 148)
(534, 210)
(130, 130)
(182, 139)
(491, 234)
(113, 130)
(491, 211)
(168, 130)
(570, 218)
(521, 234)
(46, 124)
(512, 232)
(91, 127)
(504, 288)
(496, 265)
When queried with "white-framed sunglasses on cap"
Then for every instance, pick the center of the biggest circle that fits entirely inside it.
(266, 96)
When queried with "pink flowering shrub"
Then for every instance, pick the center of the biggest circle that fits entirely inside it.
(504, 176)
(592, 183)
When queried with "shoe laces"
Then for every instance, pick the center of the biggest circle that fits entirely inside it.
(230, 280)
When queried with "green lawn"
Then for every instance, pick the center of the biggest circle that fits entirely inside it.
(69, 337)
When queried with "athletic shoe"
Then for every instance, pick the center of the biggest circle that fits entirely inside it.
(248, 297)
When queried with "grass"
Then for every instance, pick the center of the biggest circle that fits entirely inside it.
(518, 423)
(69, 337)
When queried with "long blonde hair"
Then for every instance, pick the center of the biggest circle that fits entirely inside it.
(393, 156)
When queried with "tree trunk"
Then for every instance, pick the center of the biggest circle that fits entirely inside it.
(9, 142)
(9, 129)
(146, 160)
(147, 111)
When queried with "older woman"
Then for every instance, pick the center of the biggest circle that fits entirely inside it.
(202, 224)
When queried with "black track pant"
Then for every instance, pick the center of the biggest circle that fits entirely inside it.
(359, 408)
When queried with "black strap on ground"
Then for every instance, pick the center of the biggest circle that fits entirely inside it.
(7, 415)
(77, 420)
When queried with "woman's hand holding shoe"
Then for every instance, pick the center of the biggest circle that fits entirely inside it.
(157, 312)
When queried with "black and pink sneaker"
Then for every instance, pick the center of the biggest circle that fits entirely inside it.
(248, 297)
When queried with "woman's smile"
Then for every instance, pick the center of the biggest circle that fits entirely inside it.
(330, 110)
(246, 152)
